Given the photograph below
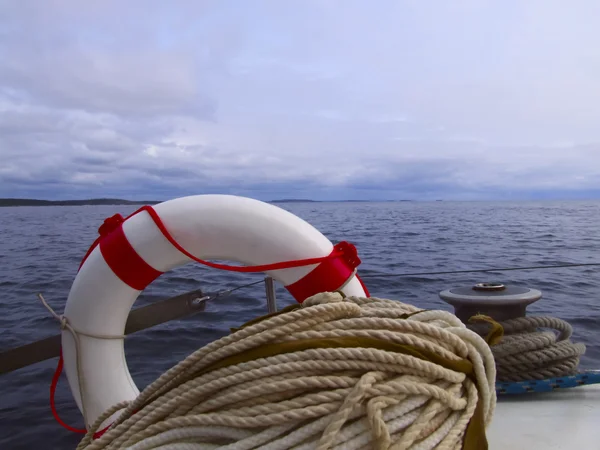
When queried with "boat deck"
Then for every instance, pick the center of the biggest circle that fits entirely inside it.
(567, 419)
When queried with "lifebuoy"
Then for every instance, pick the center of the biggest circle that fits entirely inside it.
(133, 253)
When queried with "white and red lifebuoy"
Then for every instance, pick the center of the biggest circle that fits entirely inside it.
(130, 254)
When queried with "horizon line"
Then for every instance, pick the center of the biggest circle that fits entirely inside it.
(99, 201)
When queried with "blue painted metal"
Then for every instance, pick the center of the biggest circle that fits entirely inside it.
(548, 385)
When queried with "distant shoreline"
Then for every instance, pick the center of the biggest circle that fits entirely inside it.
(6, 202)
(92, 201)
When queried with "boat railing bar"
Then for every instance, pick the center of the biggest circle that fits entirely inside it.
(270, 292)
(139, 319)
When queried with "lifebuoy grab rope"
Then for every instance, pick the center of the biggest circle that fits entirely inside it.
(333, 270)
(331, 273)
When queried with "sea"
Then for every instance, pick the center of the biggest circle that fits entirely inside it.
(41, 248)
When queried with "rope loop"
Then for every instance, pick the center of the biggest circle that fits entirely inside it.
(65, 325)
(531, 347)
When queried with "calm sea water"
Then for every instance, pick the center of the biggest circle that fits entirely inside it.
(41, 247)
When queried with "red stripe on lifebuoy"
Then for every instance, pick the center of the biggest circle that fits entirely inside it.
(124, 261)
(328, 276)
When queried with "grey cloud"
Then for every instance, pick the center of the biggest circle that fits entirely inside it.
(98, 59)
(297, 98)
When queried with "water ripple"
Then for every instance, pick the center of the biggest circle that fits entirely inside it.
(41, 248)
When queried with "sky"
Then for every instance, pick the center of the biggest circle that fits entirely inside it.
(328, 100)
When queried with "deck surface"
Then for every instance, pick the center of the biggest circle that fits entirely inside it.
(568, 419)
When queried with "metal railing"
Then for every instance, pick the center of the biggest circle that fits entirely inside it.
(139, 319)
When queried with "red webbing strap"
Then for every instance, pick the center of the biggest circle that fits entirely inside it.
(328, 276)
(124, 261)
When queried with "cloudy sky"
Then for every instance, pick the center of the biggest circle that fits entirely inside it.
(318, 99)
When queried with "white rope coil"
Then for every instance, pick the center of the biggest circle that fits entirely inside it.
(306, 396)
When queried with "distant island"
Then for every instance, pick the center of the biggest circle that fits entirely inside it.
(300, 200)
(294, 200)
(119, 201)
(92, 201)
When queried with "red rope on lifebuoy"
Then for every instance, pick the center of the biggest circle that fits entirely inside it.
(53, 386)
(117, 220)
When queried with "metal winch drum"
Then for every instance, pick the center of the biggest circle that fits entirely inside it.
(500, 302)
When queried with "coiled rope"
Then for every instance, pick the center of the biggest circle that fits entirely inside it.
(532, 348)
(332, 373)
